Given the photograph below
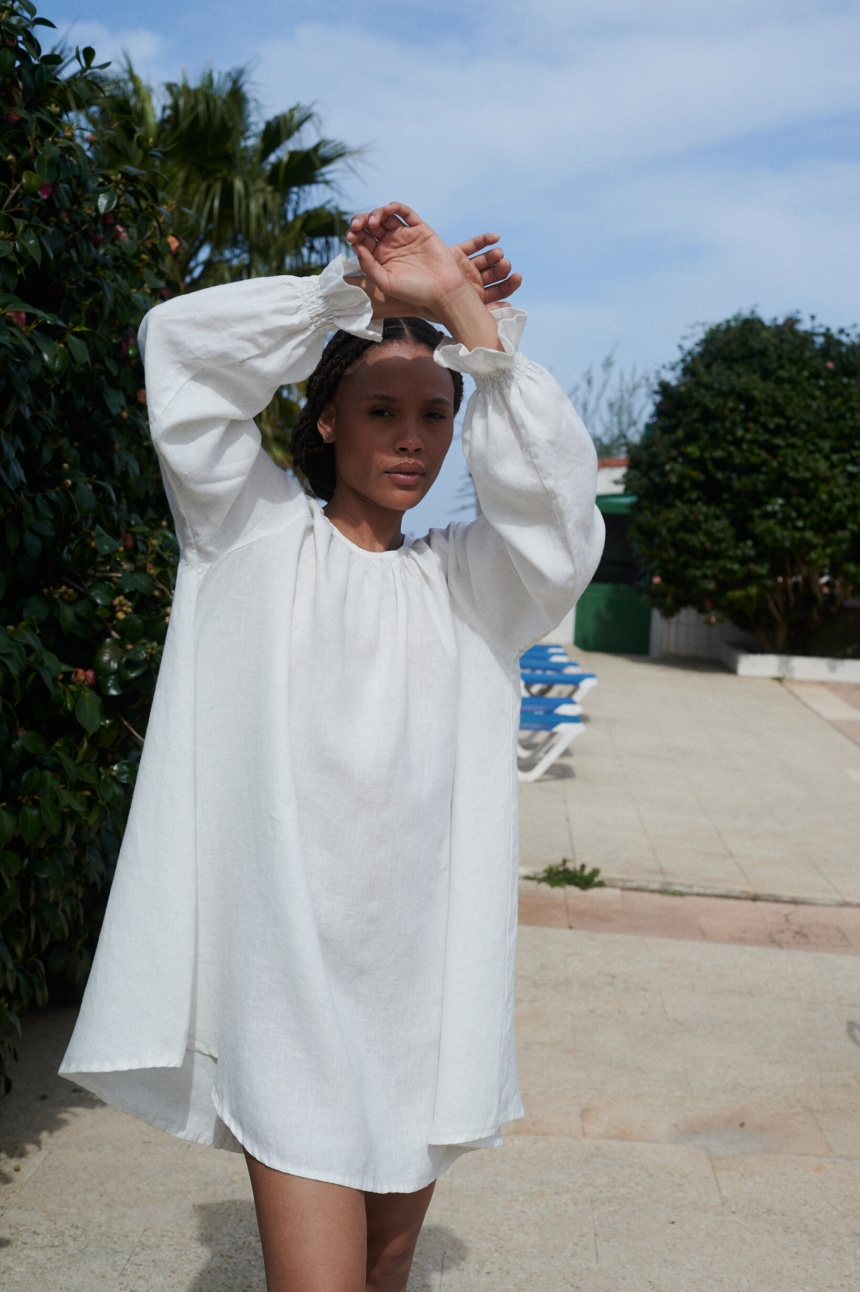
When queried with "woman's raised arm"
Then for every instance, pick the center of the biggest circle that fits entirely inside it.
(214, 359)
(520, 567)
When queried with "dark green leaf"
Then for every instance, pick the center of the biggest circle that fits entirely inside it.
(107, 200)
(77, 348)
(51, 818)
(125, 772)
(88, 711)
(105, 545)
(29, 822)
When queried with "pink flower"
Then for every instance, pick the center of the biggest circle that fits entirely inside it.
(45, 191)
(655, 578)
(120, 234)
(12, 116)
(830, 364)
(90, 677)
(18, 317)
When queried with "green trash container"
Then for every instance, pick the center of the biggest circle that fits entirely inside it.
(611, 614)
(613, 617)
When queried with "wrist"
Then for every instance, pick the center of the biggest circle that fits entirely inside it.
(467, 319)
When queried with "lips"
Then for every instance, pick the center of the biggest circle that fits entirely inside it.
(406, 472)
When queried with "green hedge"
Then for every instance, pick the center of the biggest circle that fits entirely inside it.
(88, 557)
(747, 480)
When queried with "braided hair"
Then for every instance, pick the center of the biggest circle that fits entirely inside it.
(316, 459)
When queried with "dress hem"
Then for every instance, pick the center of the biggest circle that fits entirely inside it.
(308, 1173)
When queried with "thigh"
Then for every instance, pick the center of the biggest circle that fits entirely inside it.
(394, 1222)
(314, 1234)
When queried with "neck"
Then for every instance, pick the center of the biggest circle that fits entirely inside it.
(365, 523)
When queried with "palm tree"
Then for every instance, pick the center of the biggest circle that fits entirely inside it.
(244, 196)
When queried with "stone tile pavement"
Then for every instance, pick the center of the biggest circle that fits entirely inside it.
(693, 1123)
(691, 1075)
(688, 776)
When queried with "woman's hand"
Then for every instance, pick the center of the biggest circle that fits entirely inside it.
(489, 273)
(408, 263)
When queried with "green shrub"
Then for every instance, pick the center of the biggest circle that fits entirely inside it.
(88, 558)
(747, 480)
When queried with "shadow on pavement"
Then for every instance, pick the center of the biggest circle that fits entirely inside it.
(40, 1100)
(438, 1252)
(229, 1230)
(235, 1264)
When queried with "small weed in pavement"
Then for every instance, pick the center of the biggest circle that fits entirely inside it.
(565, 873)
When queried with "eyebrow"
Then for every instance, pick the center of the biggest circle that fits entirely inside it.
(392, 399)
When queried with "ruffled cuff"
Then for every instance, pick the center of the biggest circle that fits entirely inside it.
(488, 365)
(333, 303)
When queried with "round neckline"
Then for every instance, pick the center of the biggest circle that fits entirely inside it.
(355, 547)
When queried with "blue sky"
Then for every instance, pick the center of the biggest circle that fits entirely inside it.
(650, 166)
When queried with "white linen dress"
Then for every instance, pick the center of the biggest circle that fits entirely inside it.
(308, 948)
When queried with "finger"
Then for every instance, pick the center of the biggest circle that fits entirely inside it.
(361, 239)
(490, 260)
(481, 240)
(501, 291)
(406, 214)
(388, 224)
(498, 272)
(371, 266)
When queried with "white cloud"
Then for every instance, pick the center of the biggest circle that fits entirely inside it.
(451, 121)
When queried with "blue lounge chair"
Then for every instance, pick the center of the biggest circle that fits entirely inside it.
(559, 728)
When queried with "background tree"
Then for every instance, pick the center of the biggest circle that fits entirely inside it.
(748, 480)
(614, 404)
(247, 196)
(87, 558)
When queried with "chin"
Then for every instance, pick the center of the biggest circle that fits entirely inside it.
(401, 499)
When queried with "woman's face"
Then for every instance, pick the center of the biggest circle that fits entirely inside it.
(391, 422)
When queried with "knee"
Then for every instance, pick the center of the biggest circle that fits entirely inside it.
(388, 1266)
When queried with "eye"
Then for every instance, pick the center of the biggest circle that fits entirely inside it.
(379, 412)
(437, 416)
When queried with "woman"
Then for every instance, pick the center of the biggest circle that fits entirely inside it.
(308, 951)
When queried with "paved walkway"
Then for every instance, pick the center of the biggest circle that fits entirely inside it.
(691, 1075)
(688, 776)
(693, 1126)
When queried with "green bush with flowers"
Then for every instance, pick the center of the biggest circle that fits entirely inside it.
(87, 556)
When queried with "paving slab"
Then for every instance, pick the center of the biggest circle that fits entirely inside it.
(688, 775)
(692, 1125)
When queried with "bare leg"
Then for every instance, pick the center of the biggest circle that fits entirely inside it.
(320, 1237)
(394, 1222)
(314, 1234)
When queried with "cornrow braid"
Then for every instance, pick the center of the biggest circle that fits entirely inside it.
(316, 459)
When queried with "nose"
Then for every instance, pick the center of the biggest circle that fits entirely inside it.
(410, 438)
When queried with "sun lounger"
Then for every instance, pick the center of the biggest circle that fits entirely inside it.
(560, 729)
(539, 681)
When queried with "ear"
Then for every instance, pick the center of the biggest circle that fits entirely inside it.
(326, 423)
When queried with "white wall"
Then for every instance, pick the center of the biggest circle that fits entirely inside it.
(689, 633)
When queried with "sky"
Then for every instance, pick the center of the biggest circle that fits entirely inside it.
(651, 167)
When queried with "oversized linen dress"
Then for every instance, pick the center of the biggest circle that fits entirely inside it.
(309, 945)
